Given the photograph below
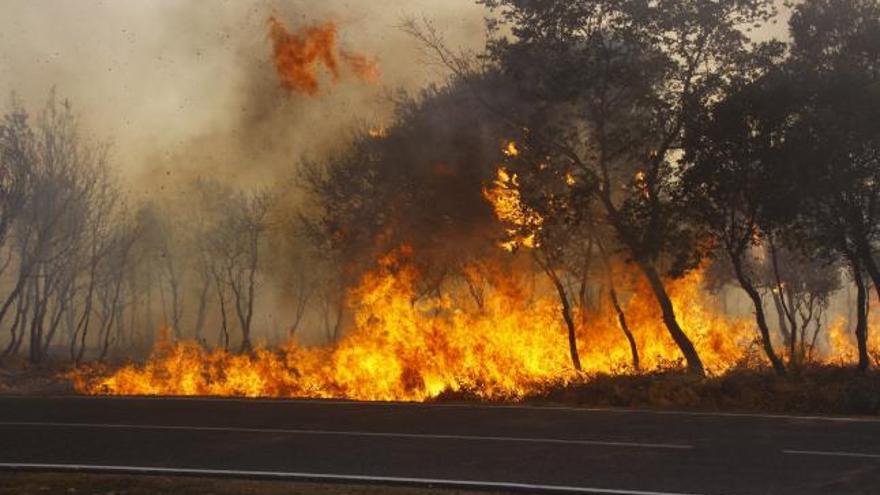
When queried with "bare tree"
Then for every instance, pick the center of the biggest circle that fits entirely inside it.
(17, 155)
(110, 292)
(236, 243)
(66, 172)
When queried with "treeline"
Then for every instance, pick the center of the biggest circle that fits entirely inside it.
(687, 140)
(659, 135)
(85, 271)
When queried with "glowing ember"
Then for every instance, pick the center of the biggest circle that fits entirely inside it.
(298, 56)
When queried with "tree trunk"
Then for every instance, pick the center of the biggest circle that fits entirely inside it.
(782, 322)
(15, 330)
(23, 322)
(861, 330)
(621, 319)
(565, 309)
(55, 322)
(82, 326)
(243, 320)
(760, 316)
(612, 292)
(694, 364)
(202, 310)
(566, 316)
(787, 308)
(864, 250)
(14, 295)
(224, 321)
(113, 313)
(792, 344)
(41, 306)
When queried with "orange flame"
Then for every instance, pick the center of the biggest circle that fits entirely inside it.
(403, 347)
(841, 342)
(298, 56)
(509, 208)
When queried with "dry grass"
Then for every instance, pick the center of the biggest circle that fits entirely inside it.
(812, 390)
(815, 389)
(17, 376)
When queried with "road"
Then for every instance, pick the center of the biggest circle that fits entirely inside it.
(532, 449)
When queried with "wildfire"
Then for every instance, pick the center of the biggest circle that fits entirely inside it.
(842, 346)
(406, 348)
(298, 56)
(507, 343)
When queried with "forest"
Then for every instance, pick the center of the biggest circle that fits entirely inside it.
(606, 189)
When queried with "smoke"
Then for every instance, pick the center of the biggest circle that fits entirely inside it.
(186, 91)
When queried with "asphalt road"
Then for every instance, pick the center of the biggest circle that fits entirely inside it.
(527, 448)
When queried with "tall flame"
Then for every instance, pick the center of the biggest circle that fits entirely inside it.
(406, 348)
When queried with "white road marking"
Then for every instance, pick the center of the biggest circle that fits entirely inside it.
(831, 453)
(281, 431)
(451, 483)
(440, 405)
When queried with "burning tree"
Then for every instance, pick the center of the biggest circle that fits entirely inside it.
(831, 147)
(420, 184)
(790, 156)
(607, 89)
(727, 180)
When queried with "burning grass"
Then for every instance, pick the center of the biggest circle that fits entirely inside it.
(511, 346)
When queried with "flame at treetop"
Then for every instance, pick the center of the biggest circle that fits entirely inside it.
(298, 56)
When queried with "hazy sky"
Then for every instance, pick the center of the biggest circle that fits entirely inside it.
(187, 87)
(181, 85)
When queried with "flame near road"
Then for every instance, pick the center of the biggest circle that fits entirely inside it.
(402, 348)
